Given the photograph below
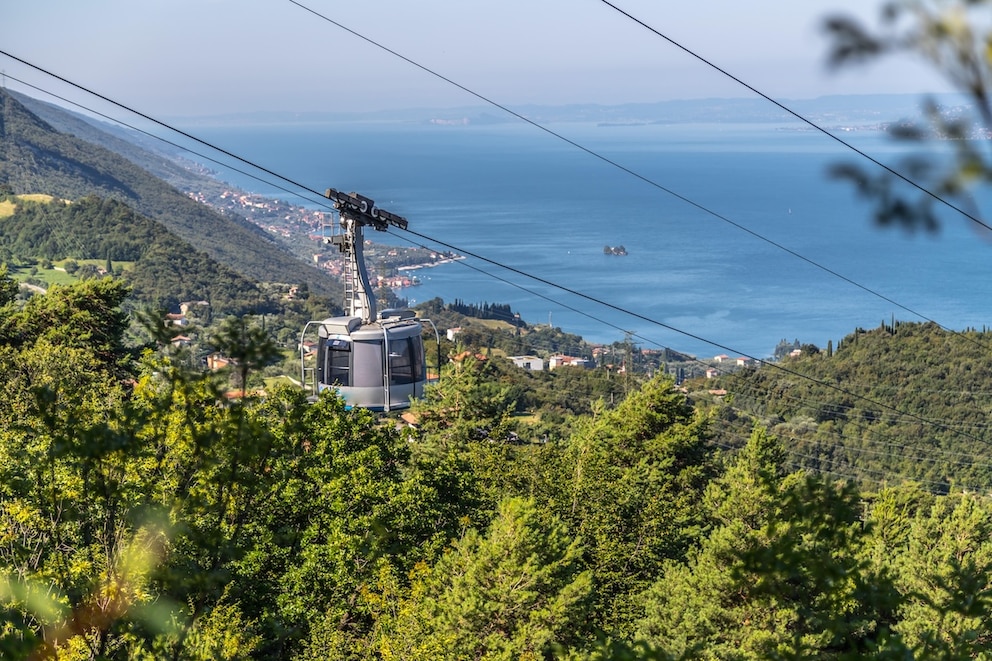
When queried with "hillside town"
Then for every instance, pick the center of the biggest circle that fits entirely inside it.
(305, 231)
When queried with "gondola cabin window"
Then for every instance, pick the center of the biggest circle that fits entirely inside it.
(367, 363)
(337, 367)
(405, 361)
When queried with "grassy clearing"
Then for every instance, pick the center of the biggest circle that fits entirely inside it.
(57, 274)
(36, 197)
(282, 380)
(493, 324)
(49, 276)
(8, 207)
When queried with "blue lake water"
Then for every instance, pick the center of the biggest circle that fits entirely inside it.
(702, 274)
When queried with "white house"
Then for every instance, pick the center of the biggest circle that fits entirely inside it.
(533, 363)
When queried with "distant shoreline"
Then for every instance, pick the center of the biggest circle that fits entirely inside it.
(844, 110)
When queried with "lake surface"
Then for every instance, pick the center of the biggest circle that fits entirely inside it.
(710, 219)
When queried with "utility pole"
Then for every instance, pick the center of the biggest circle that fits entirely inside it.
(628, 360)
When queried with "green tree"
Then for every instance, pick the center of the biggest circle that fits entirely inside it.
(516, 592)
(8, 286)
(629, 482)
(469, 403)
(87, 316)
(945, 572)
(779, 577)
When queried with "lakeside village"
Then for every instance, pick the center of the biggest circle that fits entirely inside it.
(301, 229)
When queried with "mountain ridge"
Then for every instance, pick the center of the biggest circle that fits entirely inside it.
(35, 157)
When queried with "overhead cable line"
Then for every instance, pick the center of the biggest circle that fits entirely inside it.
(159, 122)
(515, 114)
(877, 436)
(319, 196)
(512, 269)
(570, 308)
(648, 180)
(324, 203)
(940, 486)
(661, 324)
(798, 116)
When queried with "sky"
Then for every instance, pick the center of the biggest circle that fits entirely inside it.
(175, 58)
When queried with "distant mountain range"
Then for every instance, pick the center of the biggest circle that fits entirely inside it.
(829, 111)
(45, 149)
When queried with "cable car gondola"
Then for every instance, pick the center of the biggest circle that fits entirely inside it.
(374, 360)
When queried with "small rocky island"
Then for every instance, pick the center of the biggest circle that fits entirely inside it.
(614, 250)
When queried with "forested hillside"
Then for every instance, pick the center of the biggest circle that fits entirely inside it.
(144, 514)
(151, 154)
(161, 270)
(34, 158)
(903, 401)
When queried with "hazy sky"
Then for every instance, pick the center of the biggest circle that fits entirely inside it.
(192, 57)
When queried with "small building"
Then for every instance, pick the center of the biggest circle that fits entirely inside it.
(533, 363)
(218, 361)
(181, 341)
(568, 361)
(451, 332)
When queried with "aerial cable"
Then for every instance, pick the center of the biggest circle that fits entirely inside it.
(878, 434)
(507, 267)
(536, 294)
(266, 170)
(321, 202)
(417, 234)
(161, 123)
(833, 462)
(525, 119)
(655, 322)
(563, 305)
(115, 120)
(302, 186)
(798, 116)
(650, 181)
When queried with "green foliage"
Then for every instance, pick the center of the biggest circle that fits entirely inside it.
(952, 36)
(146, 513)
(467, 404)
(899, 401)
(515, 593)
(503, 331)
(84, 316)
(778, 577)
(8, 286)
(164, 270)
(38, 159)
(629, 483)
(944, 569)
